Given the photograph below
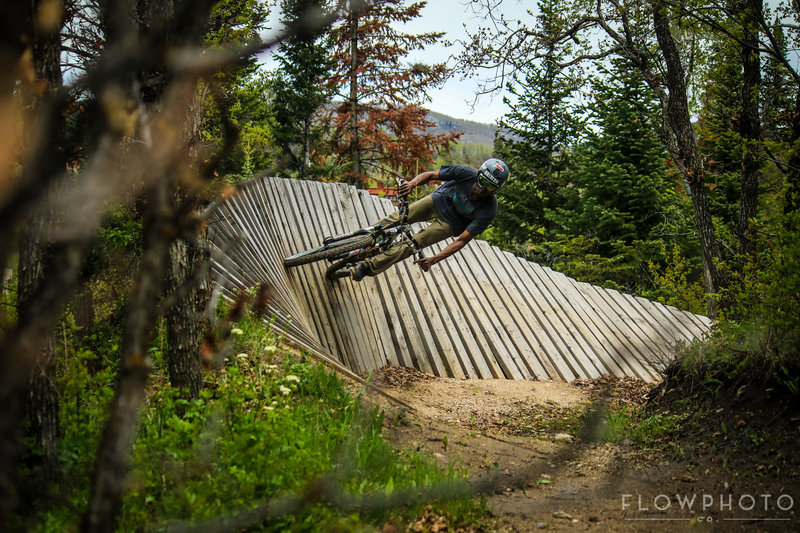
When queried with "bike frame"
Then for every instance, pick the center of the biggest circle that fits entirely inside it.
(382, 240)
(368, 242)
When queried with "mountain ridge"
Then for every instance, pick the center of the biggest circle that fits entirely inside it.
(474, 132)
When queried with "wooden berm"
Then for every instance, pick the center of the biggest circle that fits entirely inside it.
(482, 313)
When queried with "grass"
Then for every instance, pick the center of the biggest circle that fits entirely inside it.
(265, 427)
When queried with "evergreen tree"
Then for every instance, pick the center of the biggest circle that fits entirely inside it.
(237, 97)
(718, 135)
(777, 93)
(297, 92)
(536, 140)
(621, 168)
(380, 127)
(622, 188)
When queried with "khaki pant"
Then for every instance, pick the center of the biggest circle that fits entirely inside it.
(419, 211)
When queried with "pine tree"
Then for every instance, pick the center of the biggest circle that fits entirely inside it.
(298, 93)
(621, 189)
(621, 167)
(536, 140)
(718, 135)
(380, 128)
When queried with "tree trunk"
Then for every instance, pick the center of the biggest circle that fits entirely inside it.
(750, 125)
(42, 396)
(355, 151)
(678, 125)
(185, 320)
(111, 465)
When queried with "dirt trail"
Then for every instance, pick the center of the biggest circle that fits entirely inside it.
(521, 432)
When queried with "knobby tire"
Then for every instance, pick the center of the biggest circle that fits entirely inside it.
(325, 253)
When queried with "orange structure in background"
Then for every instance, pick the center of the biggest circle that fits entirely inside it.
(384, 192)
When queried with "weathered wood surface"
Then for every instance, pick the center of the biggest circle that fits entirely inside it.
(482, 313)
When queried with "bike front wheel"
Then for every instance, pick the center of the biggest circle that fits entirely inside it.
(327, 252)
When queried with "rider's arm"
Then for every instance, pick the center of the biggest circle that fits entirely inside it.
(450, 249)
(418, 180)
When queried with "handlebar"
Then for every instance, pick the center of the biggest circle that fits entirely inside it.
(402, 202)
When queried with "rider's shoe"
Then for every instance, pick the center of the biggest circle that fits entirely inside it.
(359, 271)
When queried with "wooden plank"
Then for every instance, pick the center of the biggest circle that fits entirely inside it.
(442, 355)
(575, 356)
(639, 353)
(523, 354)
(589, 356)
(550, 324)
(467, 351)
(481, 350)
(393, 286)
(377, 303)
(366, 294)
(646, 320)
(415, 323)
(689, 328)
(660, 316)
(350, 218)
(307, 277)
(327, 218)
(702, 323)
(659, 344)
(294, 241)
(481, 313)
(255, 206)
(602, 345)
(527, 314)
(393, 311)
(450, 303)
(554, 353)
(623, 356)
(298, 278)
(452, 366)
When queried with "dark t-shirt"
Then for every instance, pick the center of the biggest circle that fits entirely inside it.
(454, 204)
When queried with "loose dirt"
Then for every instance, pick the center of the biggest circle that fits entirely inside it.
(541, 444)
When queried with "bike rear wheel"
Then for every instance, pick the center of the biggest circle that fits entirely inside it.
(318, 254)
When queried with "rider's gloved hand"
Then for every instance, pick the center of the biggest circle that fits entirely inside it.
(404, 188)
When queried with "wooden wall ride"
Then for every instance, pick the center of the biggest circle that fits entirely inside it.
(482, 313)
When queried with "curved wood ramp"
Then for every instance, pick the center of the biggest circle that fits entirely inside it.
(481, 313)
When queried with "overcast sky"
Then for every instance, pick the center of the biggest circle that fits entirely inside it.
(455, 97)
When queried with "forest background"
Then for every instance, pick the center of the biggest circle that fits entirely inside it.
(654, 148)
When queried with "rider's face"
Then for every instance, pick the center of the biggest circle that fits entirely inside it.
(479, 192)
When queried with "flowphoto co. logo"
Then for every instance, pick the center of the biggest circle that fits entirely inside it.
(705, 507)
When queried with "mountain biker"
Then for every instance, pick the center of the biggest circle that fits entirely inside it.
(462, 207)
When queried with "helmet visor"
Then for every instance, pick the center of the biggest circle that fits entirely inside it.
(486, 182)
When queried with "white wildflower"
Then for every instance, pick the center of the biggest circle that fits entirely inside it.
(285, 390)
(236, 331)
(270, 368)
(271, 349)
(242, 356)
(269, 408)
(292, 377)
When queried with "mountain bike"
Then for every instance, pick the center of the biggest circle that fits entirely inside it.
(348, 249)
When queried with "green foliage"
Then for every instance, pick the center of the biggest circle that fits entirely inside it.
(249, 112)
(638, 426)
(298, 91)
(537, 139)
(238, 95)
(621, 174)
(673, 281)
(779, 308)
(616, 265)
(464, 153)
(265, 426)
